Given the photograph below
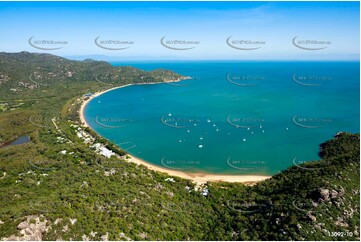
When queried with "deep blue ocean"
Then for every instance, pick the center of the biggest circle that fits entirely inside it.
(231, 117)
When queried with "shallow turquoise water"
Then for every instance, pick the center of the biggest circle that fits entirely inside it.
(232, 117)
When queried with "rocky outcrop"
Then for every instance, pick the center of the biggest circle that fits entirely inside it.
(31, 229)
(311, 217)
(324, 195)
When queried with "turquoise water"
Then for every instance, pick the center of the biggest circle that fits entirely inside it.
(231, 117)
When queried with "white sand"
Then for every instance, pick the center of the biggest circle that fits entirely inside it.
(202, 177)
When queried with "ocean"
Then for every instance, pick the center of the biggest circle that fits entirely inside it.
(231, 117)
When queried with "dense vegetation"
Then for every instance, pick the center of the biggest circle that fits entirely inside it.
(81, 195)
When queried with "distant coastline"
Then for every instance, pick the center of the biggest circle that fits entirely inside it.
(197, 177)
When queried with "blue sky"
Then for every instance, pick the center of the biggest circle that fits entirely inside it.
(209, 23)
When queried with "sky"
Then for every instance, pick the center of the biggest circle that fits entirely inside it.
(323, 30)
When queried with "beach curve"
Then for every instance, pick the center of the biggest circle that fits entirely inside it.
(197, 177)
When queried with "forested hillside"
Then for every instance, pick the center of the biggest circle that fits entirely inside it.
(58, 187)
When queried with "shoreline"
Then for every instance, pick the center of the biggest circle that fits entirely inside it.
(199, 178)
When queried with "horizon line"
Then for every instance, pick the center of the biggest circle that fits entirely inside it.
(113, 58)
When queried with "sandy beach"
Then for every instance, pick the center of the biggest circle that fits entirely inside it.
(198, 178)
(81, 112)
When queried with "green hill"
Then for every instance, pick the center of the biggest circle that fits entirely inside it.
(50, 194)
